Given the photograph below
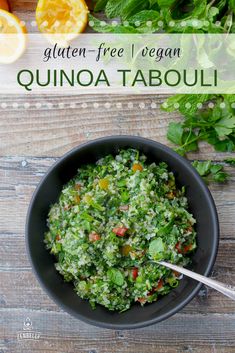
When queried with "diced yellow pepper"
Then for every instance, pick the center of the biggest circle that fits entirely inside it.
(104, 184)
(126, 249)
(77, 199)
(136, 167)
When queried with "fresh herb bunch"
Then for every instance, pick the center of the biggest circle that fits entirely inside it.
(209, 118)
(144, 16)
(210, 171)
(206, 117)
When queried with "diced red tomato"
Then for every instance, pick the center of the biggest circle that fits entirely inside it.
(183, 249)
(179, 247)
(160, 284)
(155, 289)
(142, 300)
(135, 273)
(187, 248)
(120, 231)
(152, 291)
(94, 237)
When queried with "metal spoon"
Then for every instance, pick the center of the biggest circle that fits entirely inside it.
(227, 290)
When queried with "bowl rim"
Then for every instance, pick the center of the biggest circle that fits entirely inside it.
(214, 248)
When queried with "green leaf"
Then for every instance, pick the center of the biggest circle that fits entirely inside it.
(226, 145)
(153, 3)
(232, 5)
(175, 133)
(210, 172)
(230, 161)
(143, 16)
(125, 8)
(108, 28)
(114, 8)
(156, 248)
(100, 5)
(225, 126)
(220, 177)
(189, 141)
(132, 7)
(115, 276)
(203, 168)
(166, 3)
(187, 104)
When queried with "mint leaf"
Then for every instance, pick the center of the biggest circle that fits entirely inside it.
(108, 28)
(100, 5)
(156, 249)
(125, 8)
(143, 16)
(115, 276)
(114, 8)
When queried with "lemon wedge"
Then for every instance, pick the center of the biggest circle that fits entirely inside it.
(61, 20)
(12, 38)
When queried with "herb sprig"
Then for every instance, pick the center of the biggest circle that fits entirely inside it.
(209, 118)
(205, 117)
(143, 16)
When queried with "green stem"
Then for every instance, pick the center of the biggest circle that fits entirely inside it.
(199, 137)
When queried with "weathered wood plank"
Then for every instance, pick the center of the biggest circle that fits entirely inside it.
(51, 131)
(23, 5)
(62, 333)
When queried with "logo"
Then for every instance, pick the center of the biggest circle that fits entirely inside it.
(28, 332)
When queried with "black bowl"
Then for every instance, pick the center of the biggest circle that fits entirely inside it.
(201, 205)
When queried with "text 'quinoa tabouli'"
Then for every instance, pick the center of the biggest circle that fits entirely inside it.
(111, 220)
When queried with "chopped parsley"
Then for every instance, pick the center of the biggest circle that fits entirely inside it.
(111, 221)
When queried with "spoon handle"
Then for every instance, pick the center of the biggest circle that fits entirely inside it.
(227, 290)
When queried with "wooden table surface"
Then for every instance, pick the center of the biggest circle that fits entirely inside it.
(34, 132)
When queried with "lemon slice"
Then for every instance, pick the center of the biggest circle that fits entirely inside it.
(61, 20)
(12, 38)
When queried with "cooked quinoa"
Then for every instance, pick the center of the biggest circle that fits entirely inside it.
(111, 221)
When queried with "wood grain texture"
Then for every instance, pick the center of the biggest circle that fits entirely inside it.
(61, 333)
(59, 124)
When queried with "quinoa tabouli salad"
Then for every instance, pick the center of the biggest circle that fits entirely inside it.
(112, 221)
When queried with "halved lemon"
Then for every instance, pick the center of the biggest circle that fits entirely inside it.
(12, 37)
(61, 20)
(4, 5)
